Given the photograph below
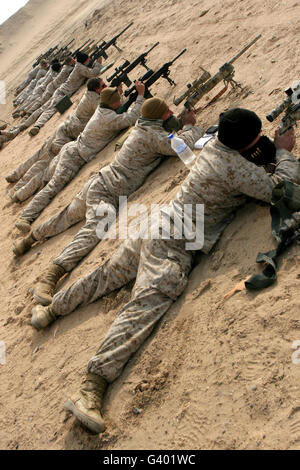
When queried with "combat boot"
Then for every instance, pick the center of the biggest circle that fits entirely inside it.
(86, 405)
(22, 246)
(34, 131)
(42, 316)
(23, 225)
(11, 178)
(44, 289)
(13, 196)
(16, 114)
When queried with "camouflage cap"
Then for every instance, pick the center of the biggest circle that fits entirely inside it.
(154, 108)
(109, 96)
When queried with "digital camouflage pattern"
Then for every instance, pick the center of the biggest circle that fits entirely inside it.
(100, 130)
(221, 179)
(42, 164)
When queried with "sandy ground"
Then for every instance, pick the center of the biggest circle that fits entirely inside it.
(215, 374)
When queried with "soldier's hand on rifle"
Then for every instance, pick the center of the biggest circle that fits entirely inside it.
(140, 87)
(189, 117)
(285, 141)
(120, 89)
(99, 60)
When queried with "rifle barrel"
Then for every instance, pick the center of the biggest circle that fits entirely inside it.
(125, 29)
(178, 55)
(244, 49)
(151, 48)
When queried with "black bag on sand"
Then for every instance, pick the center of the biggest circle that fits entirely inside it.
(64, 104)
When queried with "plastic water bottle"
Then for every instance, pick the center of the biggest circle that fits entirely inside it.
(183, 151)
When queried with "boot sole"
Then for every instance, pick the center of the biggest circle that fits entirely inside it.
(15, 252)
(35, 325)
(83, 418)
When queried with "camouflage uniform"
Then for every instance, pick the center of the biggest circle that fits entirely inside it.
(6, 136)
(37, 106)
(103, 127)
(39, 89)
(35, 82)
(42, 163)
(32, 74)
(140, 154)
(77, 78)
(220, 179)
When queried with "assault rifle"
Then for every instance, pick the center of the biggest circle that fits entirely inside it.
(121, 73)
(205, 84)
(101, 49)
(148, 79)
(291, 106)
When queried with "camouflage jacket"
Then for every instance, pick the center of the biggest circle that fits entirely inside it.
(32, 74)
(78, 76)
(142, 152)
(36, 81)
(76, 122)
(221, 179)
(103, 127)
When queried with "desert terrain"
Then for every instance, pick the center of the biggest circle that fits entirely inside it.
(215, 374)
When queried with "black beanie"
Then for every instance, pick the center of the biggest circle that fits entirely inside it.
(56, 67)
(81, 57)
(238, 127)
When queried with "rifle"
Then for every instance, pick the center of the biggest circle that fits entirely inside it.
(291, 106)
(149, 78)
(205, 84)
(45, 55)
(100, 51)
(65, 49)
(81, 47)
(121, 73)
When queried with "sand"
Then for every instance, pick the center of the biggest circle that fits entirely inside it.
(215, 374)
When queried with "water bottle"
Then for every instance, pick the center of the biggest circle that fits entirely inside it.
(183, 151)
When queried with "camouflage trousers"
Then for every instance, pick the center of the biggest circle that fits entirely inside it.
(42, 166)
(6, 136)
(39, 101)
(50, 109)
(69, 163)
(24, 95)
(84, 206)
(161, 269)
(31, 99)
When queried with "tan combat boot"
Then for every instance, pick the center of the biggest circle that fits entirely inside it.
(42, 316)
(13, 196)
(23, 225)
(86, 405)
(11, 178)
(44, 289)
(22, 246)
